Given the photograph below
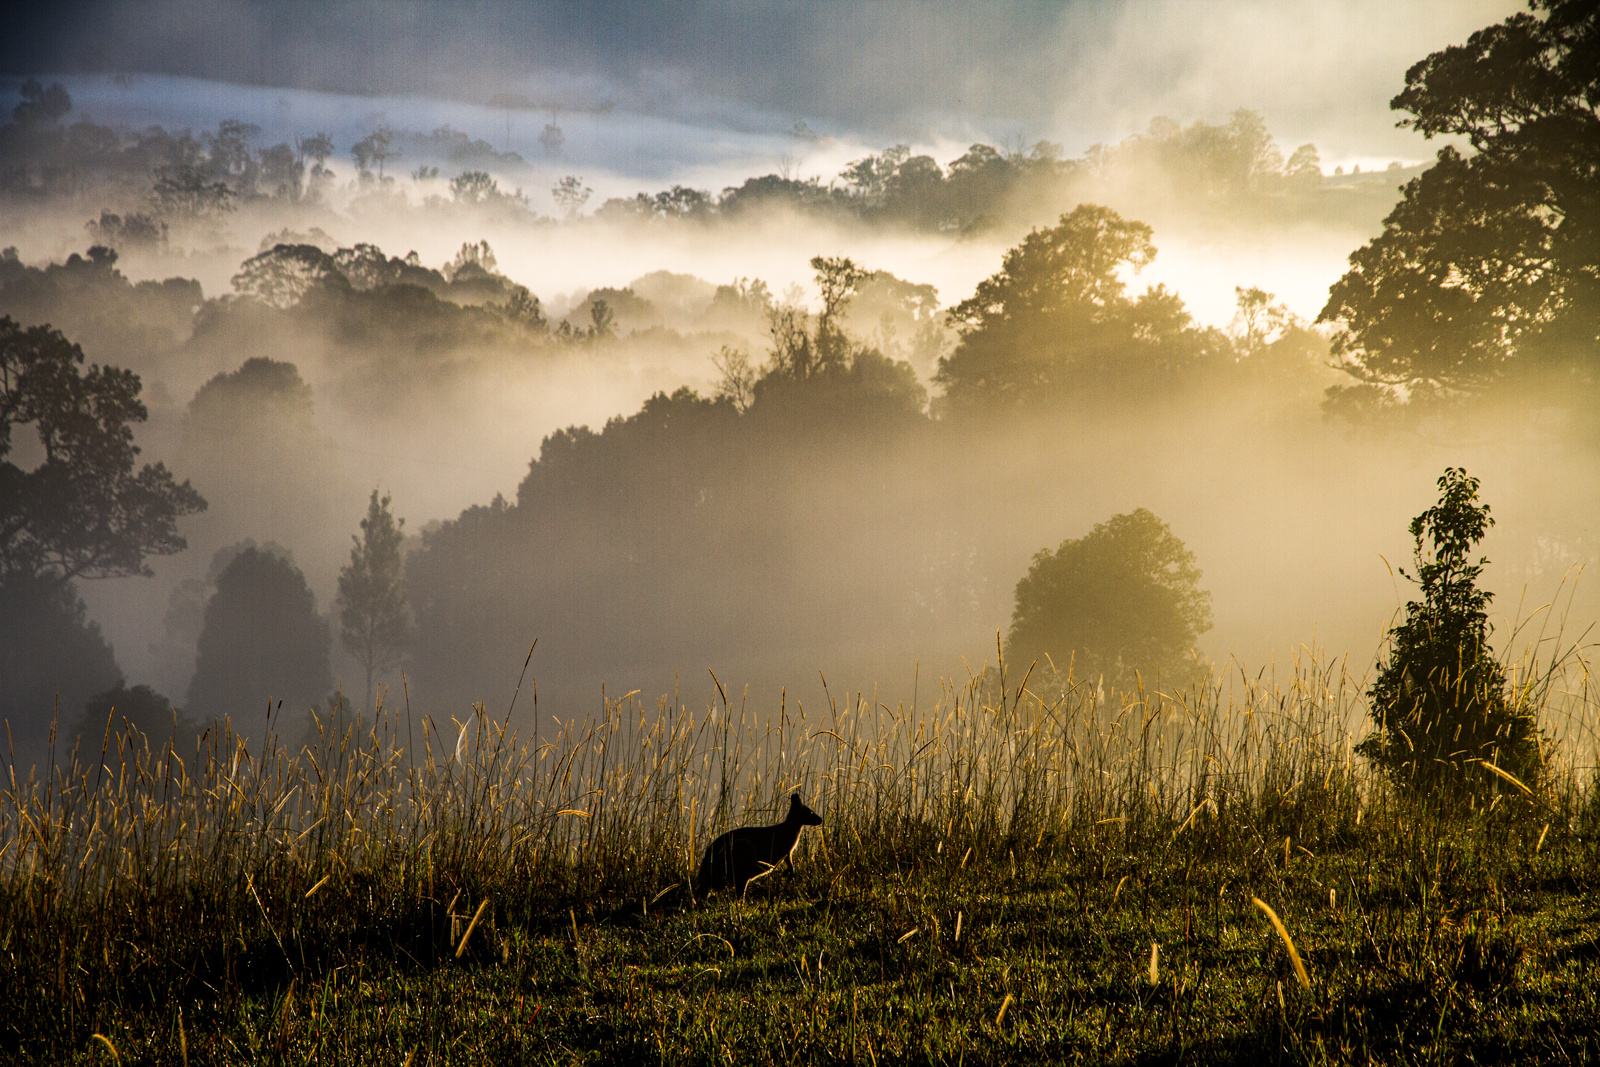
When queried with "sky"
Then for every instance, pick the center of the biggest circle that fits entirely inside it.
(882, 72)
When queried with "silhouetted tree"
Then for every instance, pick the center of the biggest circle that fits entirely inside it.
(1440, 702)
(1485, 269)
(736, 378)
(374, 622)
(838, 278)
(133, 231)
(868, 178)
(1124, 597)
(282, 172)
(1055, 321)
(570, 194)
(552, 139)
(188, 191)
(228, 151)
(84, 511)
(263, 639)
(375, 149)
(317, 149)
(91, 301)
(473, 187)
(50, 653)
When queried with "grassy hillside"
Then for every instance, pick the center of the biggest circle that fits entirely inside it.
(1001, 877)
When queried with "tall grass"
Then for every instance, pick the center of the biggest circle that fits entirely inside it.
(139, 875)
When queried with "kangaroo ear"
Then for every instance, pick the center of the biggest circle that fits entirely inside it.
(794, 798)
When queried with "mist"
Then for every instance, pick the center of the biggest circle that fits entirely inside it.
(507, 365)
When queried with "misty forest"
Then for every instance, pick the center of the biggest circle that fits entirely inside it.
(430, 517)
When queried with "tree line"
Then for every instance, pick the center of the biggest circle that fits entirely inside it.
(182, 178)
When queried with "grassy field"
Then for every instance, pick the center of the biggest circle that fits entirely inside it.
(1001, 878)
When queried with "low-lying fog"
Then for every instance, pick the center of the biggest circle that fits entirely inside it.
(883, 560)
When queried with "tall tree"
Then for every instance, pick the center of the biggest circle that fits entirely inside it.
(374, 621)
(1439, 703)
(83, 511)
(1486, 270)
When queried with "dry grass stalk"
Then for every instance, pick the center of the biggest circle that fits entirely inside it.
(1288, 942)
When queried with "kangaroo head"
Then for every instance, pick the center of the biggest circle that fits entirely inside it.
(798, 812)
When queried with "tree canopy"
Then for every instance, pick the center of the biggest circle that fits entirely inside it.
(263, 639)
(1056, 320)
(1486, 269)
(84, 511)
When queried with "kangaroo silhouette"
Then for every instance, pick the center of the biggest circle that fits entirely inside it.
(740, 856)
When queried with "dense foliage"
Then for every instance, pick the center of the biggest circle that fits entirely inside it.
(1055, 324)
(83, 511)
(1441, 703)
(1485, 273)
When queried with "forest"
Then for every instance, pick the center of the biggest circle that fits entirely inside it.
(598, 523)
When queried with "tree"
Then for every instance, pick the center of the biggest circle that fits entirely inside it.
(229, 152)
(822, 373)
(552, 139)
(282, 172)
(187, 191)
(472, 257)
(83, 512)
(570, 194)
(1056, 320)
(374, 149)
(838, 278)
(41, 106)
(374, 622)
(1439, 703)
(1484, 271)
(251, 440)
(868, 178)
(51, 657)
(317, 149)
(473, 187)
(1126, 596)
(1257, 320)
(736, 378)
(262, 641)
(282, 276)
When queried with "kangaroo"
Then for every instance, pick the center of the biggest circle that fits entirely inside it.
(740, 856)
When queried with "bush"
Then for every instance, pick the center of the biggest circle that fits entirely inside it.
(1440, 703)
